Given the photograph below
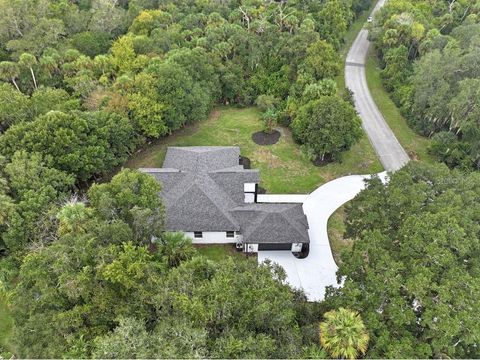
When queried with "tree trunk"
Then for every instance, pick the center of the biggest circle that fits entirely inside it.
(15, 83)
(33, 77)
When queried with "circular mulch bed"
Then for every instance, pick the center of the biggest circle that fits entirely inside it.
(327, 159)
(262, 138)
(245, 162)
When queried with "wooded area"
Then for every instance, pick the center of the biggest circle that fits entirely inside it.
(429, 52)
(86, 83)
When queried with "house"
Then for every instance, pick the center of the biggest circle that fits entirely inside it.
(213, 199)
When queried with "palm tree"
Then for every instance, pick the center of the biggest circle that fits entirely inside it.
(176, 247)
(29, 60)
(9, 71)
(49, 64)
(343, 334)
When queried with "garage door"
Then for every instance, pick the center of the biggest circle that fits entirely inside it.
(281, 246)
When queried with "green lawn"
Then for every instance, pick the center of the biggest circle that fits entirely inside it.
(336, 229)
(283, 167)
(219, 252)
(415, 145)
(6, 326)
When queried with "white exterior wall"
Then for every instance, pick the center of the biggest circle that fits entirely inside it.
(217, 237)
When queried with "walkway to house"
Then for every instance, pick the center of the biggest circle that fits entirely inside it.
(318, 270)
(281, 198)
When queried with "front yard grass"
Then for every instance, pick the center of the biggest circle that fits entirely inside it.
(283, 167)
(219, 252)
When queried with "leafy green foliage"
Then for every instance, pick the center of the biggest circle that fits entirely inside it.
(343, 334)
(97, 284)
(13, 106)
(322, 61)
(133, 198)
(175, 248)
(177, 59)
(74, 103)
(91, 43)
(269, 118)
(326, 126)
(35, 187)
(412, 270)
(168, 340)
(428, 51)
(82, 144)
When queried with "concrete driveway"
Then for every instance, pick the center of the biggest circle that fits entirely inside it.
(318, 270)
(314, 273)
(390, 152)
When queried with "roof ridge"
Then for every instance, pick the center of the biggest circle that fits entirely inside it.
(281, 214)
(256, 223)
(196, 187)
(293, 222)
(226, 210)
(183, 188)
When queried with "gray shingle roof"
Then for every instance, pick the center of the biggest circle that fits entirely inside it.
(272, 223)
(201, 158)
(202, 189)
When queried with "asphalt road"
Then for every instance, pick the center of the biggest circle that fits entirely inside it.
(390, 152)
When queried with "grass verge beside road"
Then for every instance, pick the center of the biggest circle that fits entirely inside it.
(415, 145)
(348, 40)
(283, 167)
(336, 223)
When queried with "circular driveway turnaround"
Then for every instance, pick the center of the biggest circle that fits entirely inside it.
(318, 270)
(390, 152)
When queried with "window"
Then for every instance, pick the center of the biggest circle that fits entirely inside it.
(230, 234)
(198, 235)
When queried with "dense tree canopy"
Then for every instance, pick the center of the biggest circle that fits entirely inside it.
(98, 282)
(413, 271)
(79, 143)
(84, 83)
(326, 126)
(430, 53)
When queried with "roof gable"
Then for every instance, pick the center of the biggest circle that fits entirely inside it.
(272, 223)
(195, 210)
(274, 228)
